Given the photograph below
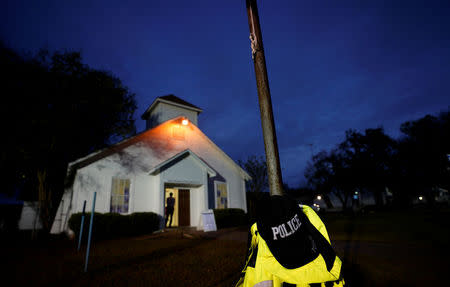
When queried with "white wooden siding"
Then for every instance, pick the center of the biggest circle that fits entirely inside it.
(147, 191)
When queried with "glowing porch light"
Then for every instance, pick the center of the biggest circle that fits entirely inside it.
(319, 197)
(184, 122)
(420, 197)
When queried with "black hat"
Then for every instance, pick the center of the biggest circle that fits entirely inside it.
(290, 236)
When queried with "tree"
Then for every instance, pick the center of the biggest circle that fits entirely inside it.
(329, 174)
(256, 167)
(422, 163)
(369, 157)
(416, 164)
(59, 110)
(360, 162)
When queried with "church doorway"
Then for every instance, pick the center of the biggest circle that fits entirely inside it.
(182, 210)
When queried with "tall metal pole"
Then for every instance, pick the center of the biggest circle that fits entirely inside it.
(90, 233)
(265, 102)
(82, 225)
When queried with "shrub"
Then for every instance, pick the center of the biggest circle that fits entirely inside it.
(230, 217)
(113, 225)
(252, 202)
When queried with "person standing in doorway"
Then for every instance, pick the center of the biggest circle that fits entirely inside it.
(170, 208)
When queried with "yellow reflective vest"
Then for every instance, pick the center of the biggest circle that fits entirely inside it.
(263, 270)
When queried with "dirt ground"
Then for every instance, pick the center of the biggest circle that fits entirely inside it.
(176, 257)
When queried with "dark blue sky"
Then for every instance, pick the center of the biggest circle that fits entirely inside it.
(332, 65)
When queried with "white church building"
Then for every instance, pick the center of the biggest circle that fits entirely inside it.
(137, 174)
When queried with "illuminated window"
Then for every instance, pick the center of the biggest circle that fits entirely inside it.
(221, 195)
(120, 195)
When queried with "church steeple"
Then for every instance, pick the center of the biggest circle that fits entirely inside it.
(168, 107)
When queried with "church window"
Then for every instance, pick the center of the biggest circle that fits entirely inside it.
(221, 195)
(120, 195)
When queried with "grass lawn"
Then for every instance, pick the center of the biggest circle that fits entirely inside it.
(412, 226)
(394, 248)
(379, 249)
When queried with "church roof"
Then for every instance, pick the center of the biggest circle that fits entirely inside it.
(170, 99)
(164, 149)
(177, 100)
(180, 156)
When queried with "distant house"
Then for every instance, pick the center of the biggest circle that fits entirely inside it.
(136, 175)
(18, 214)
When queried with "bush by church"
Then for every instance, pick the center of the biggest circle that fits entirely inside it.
(114, 225)
(230, 217)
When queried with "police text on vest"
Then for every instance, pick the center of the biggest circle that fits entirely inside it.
(281, 230)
